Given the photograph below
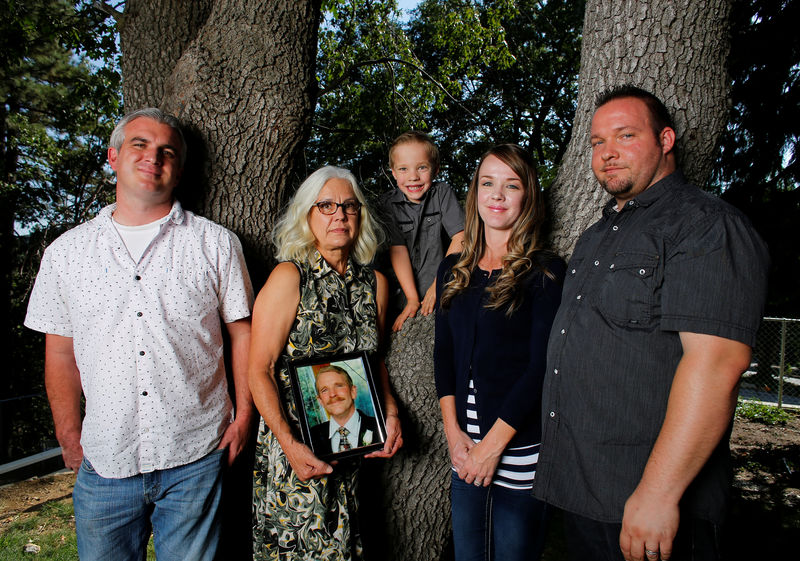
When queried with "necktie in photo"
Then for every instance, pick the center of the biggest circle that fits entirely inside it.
(344, 444)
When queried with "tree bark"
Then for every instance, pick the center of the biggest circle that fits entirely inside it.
(240, 76)
(677, 50)
(407, 499)
(153, 35)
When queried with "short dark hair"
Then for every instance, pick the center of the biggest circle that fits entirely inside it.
(420, 137)
(658, 111)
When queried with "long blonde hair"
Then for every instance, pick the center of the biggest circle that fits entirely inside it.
(292, 235)
(525, 250)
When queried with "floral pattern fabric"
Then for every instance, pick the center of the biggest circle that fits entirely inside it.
(315, 519)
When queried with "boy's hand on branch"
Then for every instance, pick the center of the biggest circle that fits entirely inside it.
(408, 312)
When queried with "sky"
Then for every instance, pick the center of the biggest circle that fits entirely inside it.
(407, 4)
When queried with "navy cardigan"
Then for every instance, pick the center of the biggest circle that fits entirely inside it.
(506, 355)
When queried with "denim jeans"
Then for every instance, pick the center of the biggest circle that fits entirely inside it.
(113, 517)
(696, 540)
(496, 523)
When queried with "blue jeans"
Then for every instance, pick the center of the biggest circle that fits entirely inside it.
(495, 522)
(113, 517)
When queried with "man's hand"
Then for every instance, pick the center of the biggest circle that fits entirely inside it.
(408, 312)
(72, 451)
(235, 438)
(700, 407)
(63, 382)
(649, 524)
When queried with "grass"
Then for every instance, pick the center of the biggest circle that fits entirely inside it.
(767, 414)
(52, 528)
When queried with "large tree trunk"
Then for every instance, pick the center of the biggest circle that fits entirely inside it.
(407, 499)
(153, 36)
(678, 50)
(240, 75)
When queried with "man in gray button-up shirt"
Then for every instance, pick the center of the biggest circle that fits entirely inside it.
(660, 308)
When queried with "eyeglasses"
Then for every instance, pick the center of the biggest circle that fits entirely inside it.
(330, 207)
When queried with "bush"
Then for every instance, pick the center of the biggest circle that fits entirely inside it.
(767, 414)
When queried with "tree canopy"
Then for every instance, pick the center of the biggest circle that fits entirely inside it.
(472, 74)
(60, 100)
(758, 163)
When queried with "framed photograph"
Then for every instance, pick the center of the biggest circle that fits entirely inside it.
(337, 402)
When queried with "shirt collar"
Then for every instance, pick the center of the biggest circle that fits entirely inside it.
(176, 213)
(650, 195)
(321, 268)
(352, 425)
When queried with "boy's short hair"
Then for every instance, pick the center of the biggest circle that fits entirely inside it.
(421, 138)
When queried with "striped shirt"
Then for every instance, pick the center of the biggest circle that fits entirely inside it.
(517, 466)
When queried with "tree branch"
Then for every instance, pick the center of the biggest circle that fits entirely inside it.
(335, 85)
(110, 10)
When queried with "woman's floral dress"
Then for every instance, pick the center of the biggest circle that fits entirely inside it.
(315, 519)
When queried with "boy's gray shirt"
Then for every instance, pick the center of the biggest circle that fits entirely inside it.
(425, 228)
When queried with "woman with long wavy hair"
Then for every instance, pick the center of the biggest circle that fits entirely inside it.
(497, 303)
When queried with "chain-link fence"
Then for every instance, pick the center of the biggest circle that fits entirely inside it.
(774, 375)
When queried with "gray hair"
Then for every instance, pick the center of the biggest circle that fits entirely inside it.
(118, 135)
(292, 235)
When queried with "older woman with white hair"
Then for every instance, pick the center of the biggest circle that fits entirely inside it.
(323, 298)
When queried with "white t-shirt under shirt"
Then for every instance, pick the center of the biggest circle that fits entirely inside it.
(137, 238)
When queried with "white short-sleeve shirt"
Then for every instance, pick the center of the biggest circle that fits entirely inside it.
(147, 336)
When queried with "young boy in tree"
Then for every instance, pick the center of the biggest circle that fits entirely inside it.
(424, 220)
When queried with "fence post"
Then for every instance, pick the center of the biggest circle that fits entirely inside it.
(782, 363)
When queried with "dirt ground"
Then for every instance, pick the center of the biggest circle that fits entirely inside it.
(765, 508)
(28, 496)
(764, 521)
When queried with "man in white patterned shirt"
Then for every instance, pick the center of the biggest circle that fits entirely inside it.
(132, 304)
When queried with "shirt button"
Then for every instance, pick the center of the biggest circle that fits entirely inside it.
(555, 370)
(615, 228)
(596, 263)
(573, 271)
(563, 331)
(144, 393)
(578, 297)
(138, 314)
(141, 353)
(611, 266)
(137, 277)
(552, 414)
(642, 271)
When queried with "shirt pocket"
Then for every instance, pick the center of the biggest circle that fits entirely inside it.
(628, 292)
(406, 227)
